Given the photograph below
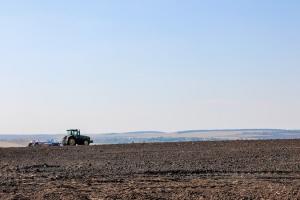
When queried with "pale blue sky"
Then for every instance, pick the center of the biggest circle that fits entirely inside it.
(124, 65)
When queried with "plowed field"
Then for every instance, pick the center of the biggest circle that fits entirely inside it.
(191, 170)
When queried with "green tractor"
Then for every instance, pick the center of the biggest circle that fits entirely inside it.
(74, 138)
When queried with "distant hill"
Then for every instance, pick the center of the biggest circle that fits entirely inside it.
(196, 135)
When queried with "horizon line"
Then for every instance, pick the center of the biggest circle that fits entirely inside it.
(178, 131)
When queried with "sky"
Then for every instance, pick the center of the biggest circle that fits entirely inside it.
(126, 65)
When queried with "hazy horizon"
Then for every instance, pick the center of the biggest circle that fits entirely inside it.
(120, 66)
(151, 131)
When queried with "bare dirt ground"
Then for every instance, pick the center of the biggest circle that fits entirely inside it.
(202, 170)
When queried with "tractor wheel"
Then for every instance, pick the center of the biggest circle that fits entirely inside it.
(86, 143)
(72, 142)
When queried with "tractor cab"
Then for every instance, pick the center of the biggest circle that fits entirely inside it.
(73, 132)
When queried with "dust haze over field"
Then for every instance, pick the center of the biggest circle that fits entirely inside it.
(11, 144)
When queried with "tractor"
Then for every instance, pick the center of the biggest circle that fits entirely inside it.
(74, 137)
